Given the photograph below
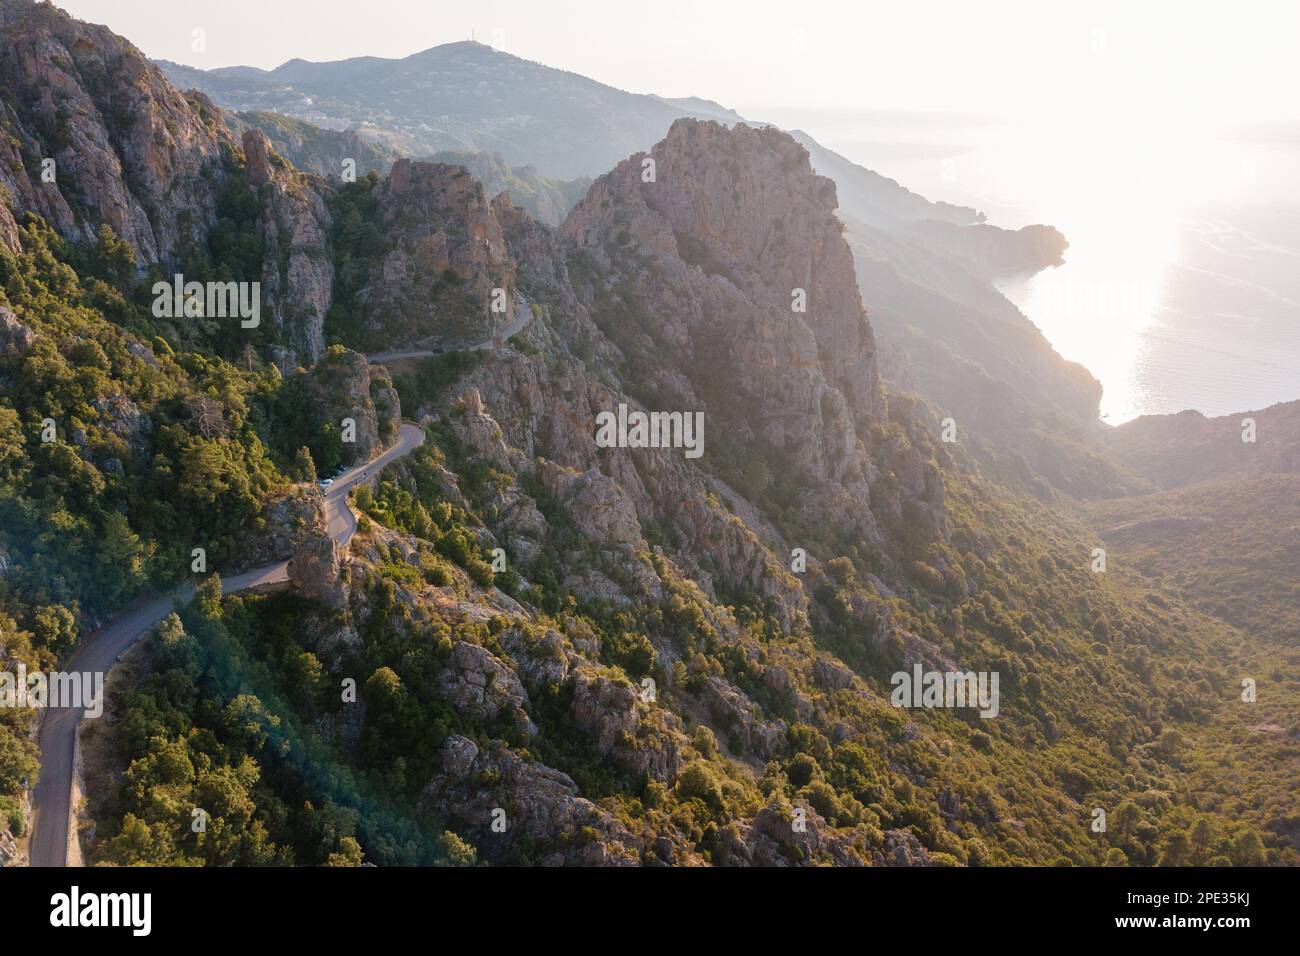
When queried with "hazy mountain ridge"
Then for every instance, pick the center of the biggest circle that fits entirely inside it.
(458, 96)
(470, 97)
(1187, 448)
(324, 153)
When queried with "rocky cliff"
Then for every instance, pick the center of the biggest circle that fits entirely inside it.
(96, 136)
(727, 286)
(127, 149)
(297, 271)
(436, 272)
(676, 296)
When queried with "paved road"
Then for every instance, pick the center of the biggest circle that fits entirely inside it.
(53, 795)
(523, 313)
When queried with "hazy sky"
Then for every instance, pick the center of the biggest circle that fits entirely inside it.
(1227, 61)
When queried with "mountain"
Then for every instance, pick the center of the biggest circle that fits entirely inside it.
(124, 147)
(458, 96)
(924, 268)
(670, 645)
(1187, 448)
(324, 153)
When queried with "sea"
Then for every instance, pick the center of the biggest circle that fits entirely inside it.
(1181, 285)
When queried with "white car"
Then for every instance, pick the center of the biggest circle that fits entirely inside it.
(327, 482)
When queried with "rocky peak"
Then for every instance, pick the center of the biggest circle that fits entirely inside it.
(743, 204)
(257, 157)
(129, 150)
(446, 254)
(726, 282)
(297, 278)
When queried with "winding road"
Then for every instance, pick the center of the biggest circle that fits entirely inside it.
(52, 798)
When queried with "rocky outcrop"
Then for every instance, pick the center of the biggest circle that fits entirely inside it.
(127, 149)
(702, 317)
(641, 738)
(16, 339)
(477, 429)
(446, 256)
(287, 519)
(602, 511)
(94, 134)
(479, 684)
(543, 659)
(345, 386)
(547, 200)
(733, 711)
(297, 271)
(458, 755)
(774, 839)
(529, 802)
(744, 303)
(902, 848)
(315, 570)
(123, 418)
(991, 252)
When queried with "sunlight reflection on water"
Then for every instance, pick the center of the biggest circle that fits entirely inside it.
(1180, 288)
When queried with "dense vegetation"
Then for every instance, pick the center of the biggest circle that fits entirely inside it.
(120, 454)
(117, 458)
(223, 724)
(1112, 698)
